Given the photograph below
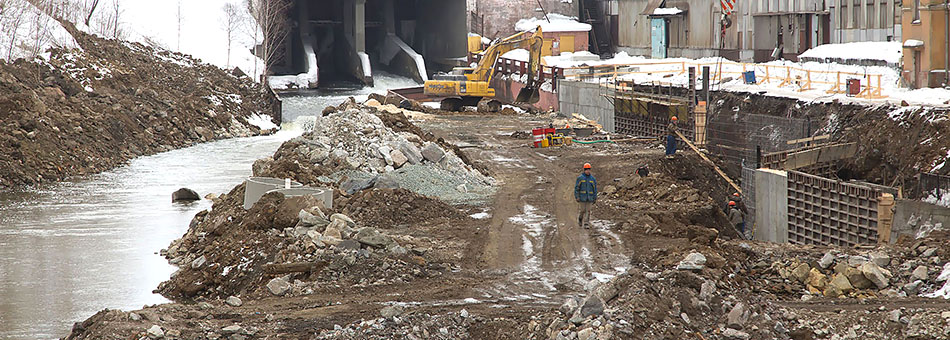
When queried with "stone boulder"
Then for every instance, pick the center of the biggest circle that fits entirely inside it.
(801, 272)
(289, 210)
(373, 238)
(737, 317)
(875, 274)
(398, 158)
(278, 286)
(857, 279)
(185, 195)
(693, 261)
(412, 153)
(592, 306)
(432, 152)
(155, 332)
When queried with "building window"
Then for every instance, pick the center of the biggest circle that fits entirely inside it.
(916, 12)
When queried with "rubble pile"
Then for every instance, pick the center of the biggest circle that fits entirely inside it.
(285, 247)
(355, 150)
(391, 208)
(79, 112)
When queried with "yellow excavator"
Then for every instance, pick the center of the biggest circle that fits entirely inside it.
(467, 86)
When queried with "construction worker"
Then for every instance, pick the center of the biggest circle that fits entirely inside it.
(671, 138)
(739, 203)
(585, 192)
(736, 217)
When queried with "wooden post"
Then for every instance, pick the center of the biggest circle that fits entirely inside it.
(885, 218)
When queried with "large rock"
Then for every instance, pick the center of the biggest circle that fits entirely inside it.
(841, 282)
(737, 317)
(693, 261)
(730, 333)
(801, 272)
(880, 258)
(398, 158)
(412, 153)
(333, 232)
(353, 185)
(386, 181)
(912, 288)
(278, 286)
(817, 279)
(232, 329)
(874, 274)
(391, 311)
(433, 153)
(567, 308)
(920, 273)
(826, 260)
(198, 262)
(185, 195)
(234, 301)
(385, 152)
(312, 218)
(373, 238)
(592, 306)
(155, 332)
(857, 279)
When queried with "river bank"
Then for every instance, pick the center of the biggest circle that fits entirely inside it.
(82, 111)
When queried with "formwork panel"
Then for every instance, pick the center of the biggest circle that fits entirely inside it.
(823, 211)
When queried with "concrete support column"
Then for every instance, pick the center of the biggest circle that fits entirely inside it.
(359, 21)
(389, 17)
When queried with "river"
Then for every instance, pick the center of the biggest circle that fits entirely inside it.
(71, 249)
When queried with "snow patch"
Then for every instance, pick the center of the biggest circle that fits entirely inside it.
(943, 292)
(558, 23)
(888, 51)
(364, 60)
(262, 122)
(667, 11)
(480, 216)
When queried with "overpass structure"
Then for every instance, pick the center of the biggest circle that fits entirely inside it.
(343, 40)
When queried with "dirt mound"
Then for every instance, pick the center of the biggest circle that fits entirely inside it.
(387, 208)
(85, 111)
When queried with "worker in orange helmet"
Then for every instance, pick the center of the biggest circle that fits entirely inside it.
(671, 138)
(736, 197)
(736, 217)
(585, 192)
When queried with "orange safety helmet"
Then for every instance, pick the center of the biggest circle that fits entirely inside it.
(674, 118)
(735, 194)
(586, 165)
(732, 203)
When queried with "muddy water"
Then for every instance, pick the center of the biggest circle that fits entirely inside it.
(71, 249)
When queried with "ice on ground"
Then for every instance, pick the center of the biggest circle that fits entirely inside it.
(887, 51)
(300, 81)
(558, 23)
(481, 215)
(432, 105)
(943, 292)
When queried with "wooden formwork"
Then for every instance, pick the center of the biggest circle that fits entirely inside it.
(824, 211)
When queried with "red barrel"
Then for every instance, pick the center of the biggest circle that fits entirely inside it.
(538, 136)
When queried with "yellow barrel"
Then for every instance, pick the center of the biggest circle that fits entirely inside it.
(544, 143)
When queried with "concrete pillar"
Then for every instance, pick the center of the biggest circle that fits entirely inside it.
(359, 22)
(389, 17)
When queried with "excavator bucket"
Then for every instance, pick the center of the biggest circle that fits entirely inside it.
(529, 95)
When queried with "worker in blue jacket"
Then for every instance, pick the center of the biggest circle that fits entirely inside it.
(585, 192)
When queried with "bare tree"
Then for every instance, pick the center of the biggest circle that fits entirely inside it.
(92, 9)
(178, 15)
(115, 20)
(16, 14)
(271, 17)
(231, 22)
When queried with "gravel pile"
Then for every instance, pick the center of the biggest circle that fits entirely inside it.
(353, 148)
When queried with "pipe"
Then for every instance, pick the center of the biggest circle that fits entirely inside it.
(593, 141)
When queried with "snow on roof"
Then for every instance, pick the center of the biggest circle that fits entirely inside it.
(889, 52)
(667, 11)
(913, 43)
(559, 23)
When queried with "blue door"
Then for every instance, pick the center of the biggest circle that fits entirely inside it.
(658, 37)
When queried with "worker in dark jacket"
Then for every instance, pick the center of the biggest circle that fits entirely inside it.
(739, 204)
(585, 192)
(671, 138)
(736, 217)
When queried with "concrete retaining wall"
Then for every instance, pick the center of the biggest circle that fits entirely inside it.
(586, 99)
(912, 216)
(771, 205)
